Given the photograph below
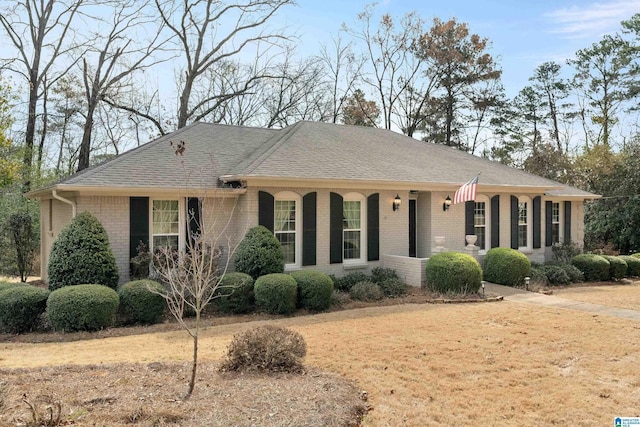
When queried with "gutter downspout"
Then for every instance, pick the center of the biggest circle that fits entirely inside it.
(62, 199)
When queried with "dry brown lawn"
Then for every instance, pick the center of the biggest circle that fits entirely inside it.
(499, 363)
(613, 295)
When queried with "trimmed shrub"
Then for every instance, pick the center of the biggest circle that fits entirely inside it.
(453, 272)
(636, 255)
(380, 274)
(81, 254)
(556, 275)
(594, 267)
(538, 276)
(276, 293)
(235, 294)
(314, 289)
(266, 348)
(139, 304)
(259, 253)
(21, 308)
(345, 283)
(633, 266)
(393, 287)
(506, 266)
(366, 291)
(7, 285)
(82, 308)
(617, 267)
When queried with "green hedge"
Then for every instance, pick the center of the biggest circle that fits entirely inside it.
(314, 289)
(633, 265)
(453, 272)
(346, 282)
(21, 308)
(594, 267)
(81, 254)
(82, 308)
(556, 275)
(139, 304)
(506, 266)
(276, 293)
(235, 294)
(575, 275)
(7, 285)
(259, 253)
(636, 255)
(617, 267)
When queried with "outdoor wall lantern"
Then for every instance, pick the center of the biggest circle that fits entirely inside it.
(396, 202)
(446, 204)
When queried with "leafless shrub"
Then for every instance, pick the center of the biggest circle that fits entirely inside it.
(48, 416)
(266, 348)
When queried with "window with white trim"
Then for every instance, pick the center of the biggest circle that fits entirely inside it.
(525, 232)
(165, 224)
(286, 218)
(354, 228)
(555, 222)
(480, 224)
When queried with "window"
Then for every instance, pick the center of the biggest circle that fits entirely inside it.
(286, 218)
(525, 229)
(353, 227)
(165, 224)
(480, 224)
(555, 222)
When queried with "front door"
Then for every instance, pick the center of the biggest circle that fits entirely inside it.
(413, 236)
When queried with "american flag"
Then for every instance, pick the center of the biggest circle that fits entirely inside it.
(467, 192)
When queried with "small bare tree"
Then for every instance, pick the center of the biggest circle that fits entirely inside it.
(192, 278)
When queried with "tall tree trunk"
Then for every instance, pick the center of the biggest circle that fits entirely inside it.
(85, 146)
(27, 159)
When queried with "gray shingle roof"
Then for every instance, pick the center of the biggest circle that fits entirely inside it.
(306, 150)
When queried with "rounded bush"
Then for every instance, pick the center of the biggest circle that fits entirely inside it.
(259, 253)
(140, 304)
(453, 272)
(235, 294)
(633, 266)
(81, 254)
(21, 308)
(392, 288)
(82, 308)
(594, 267)
(506, 266)
(314, 289)
(345, 283)
(266, 348)
(574, 273)
(276, 293)
(617, 267)
(7, 285)
(366, 291)
(636, 255)
(556, 275)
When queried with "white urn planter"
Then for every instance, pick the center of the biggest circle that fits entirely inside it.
(471, 239)
(439, 244)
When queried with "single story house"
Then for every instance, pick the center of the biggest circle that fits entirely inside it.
(339, 198)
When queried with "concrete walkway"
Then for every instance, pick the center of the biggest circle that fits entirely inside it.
(522, 296)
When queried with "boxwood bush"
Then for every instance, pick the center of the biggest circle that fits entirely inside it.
(259, 253)
(81, 254)
(82, 308)
(366, 291)
(506, 266)
(140, 304)
(453, 272)
(276, 293)
(7, 285)
(235, 294)
(21, 308)
(594, 267)
(633, 265)
(636, 255)
(617, 267)
(314, 289)
(346, 282)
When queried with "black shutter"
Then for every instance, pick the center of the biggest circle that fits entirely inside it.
(265, 210)
(309, 229)
(537, 230)
(548, 223)
(514, 222)
(373, 227)
(138, 223)
(469, 223)
(567, 222)
(495, 221)
(194, 217)
(335, 228)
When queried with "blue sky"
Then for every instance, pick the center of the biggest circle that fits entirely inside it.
(524, 34)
